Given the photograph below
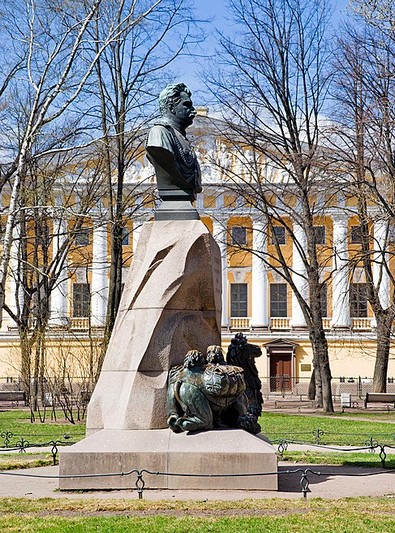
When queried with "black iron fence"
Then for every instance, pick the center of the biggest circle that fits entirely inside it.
(378, 444)
(69, 394)
(305, 475)
(14, 443)
(285, 385)
(72, 397)
(280, 384)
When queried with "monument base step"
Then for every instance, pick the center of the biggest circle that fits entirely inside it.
(228, 452)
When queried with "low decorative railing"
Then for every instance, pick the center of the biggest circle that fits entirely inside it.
(318, 438)
(284, 323)
(79, 323)
(362, 323)
(13, 443)
(283, 443)
(280, 323)
(244, 323)
(240, 323)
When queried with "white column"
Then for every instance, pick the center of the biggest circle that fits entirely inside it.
(99, 280)
(219, 234)
(380, 265)
(59, 293)
(340, 281)
(15, 299)
(299, 276)
(259, 318)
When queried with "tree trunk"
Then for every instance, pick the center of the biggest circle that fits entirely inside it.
(322, 370)
(312, 385)
(326, 378)
(25, 361)
(382, 354)
(35, 391)
(318, 387)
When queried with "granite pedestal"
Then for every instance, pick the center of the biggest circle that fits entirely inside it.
(226, 451)
(171, 304)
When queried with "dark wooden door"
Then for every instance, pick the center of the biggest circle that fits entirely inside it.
(280, 372)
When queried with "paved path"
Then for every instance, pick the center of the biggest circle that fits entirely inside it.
(333, 482)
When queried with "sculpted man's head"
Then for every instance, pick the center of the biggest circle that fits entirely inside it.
(194, 358)
(215, 355)
(175, 103)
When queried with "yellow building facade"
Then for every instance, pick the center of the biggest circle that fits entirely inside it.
(255, 299)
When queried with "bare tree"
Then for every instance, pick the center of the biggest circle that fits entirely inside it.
(364, 137)
(40, 252)
(59, 55)
(378, 13)
(272, 89)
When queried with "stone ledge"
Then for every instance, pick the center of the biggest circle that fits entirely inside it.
(224, 451)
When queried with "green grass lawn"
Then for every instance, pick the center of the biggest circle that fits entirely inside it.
(314, 515)
(368, 515)
(296, 427)
(18, 423)
(366, 460)
(380, 416)
(24, 460)
(337, 431)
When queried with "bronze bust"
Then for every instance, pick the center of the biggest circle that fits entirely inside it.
(168, 149)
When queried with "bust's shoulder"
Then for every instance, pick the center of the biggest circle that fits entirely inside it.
(162, 129)
(161, 136)
(161, 124)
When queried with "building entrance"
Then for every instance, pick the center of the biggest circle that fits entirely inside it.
(281, 365)
(280, 372)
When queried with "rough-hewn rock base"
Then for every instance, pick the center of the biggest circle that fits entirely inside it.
(171, 304)
(224, 451)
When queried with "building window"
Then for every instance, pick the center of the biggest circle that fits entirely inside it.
(81, 300)
(358, 300)
(278, 300)
(356, 234)
(238, 299)
(278, 235)
(82, 237)
(239, 235)
(319, 234)
(125, 237)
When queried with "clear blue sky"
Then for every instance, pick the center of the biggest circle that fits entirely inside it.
(189, 71)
